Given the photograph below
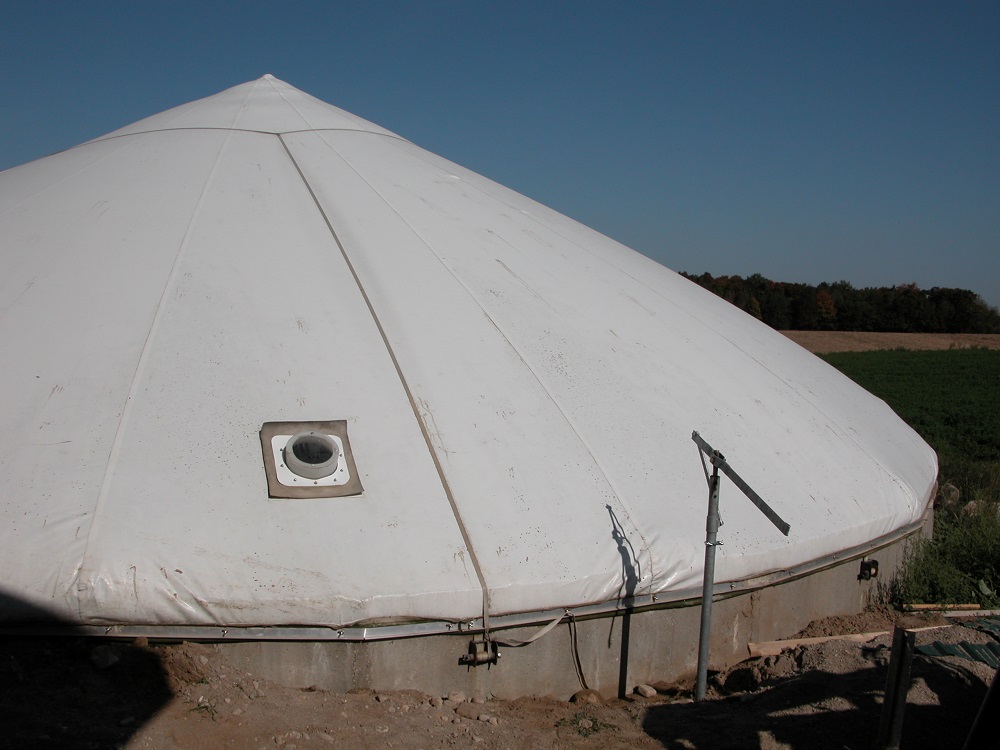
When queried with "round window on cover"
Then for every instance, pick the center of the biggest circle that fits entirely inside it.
(312, 455)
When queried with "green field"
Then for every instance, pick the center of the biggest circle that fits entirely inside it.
(952, 398)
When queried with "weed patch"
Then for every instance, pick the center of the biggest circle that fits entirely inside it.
(960, 566)
(584, 724)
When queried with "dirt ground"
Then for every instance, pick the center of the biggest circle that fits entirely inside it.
(93, 695)
(76, 693)
(823, 342)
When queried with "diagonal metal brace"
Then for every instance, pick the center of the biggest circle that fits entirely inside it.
(719, 461)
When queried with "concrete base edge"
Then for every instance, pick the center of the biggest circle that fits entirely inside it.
(611, 654)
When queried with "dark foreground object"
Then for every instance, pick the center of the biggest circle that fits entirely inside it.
(76, 693)
(824, 710)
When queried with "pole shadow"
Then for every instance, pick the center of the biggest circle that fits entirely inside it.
(631, 574)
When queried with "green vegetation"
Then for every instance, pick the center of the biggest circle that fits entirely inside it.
(585, 724)
(951, 399)
(840, 307)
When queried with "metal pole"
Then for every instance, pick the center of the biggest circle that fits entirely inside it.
(712, 528)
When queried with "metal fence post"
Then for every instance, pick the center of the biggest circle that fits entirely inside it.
(708, 585)
(897, 685)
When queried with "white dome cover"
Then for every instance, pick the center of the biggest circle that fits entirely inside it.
(514, 384)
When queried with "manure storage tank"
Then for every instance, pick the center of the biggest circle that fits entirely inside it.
(277, 376)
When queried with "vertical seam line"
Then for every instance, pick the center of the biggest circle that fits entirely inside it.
(140, 366)
(406, 387)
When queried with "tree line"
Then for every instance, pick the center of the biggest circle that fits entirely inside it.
(840, 307)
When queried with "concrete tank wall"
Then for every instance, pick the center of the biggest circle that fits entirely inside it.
(661, 645)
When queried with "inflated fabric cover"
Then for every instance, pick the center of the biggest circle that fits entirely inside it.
(520, 391)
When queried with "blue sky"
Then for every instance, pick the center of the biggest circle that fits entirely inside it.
(808, 141)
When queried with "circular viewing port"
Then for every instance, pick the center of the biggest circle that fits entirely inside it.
(312, 455)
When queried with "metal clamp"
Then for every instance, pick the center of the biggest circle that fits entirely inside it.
(480, 652)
